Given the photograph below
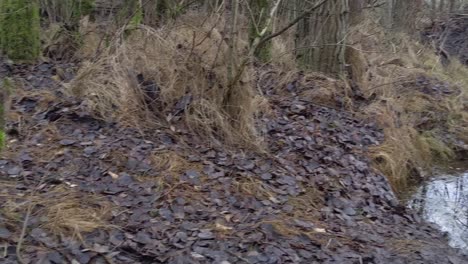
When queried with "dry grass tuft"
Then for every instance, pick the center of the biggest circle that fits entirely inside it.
(173, 164)
(439, 150)
(72, 213)
(254, 187)
(61, 210)
(400, 152)
(170, 161)
(282, 47)
(407, 246)
(183, 66)
(303, 204)
(11, 205)
(284, 228)
(414, 122)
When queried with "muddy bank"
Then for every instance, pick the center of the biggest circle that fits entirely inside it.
(172, 198)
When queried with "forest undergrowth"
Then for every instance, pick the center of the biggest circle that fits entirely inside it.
(170, 144)
(395, 80)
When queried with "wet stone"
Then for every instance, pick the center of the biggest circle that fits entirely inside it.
(67, 142)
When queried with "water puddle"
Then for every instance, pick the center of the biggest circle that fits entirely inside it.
(443, 200)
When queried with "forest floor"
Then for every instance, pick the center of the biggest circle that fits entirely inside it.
(80, 190)
(75, 189)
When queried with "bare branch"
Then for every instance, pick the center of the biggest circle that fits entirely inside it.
(258, 40)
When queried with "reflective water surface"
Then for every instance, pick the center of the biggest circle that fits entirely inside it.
(443, 200)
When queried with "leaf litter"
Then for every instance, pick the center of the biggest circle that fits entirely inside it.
(103, 193)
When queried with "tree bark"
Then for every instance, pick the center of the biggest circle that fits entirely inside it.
(452, 5)
(405, 14)
(355, 11)
(321, 38)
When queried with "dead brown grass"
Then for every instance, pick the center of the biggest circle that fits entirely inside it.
(254, 187)
(61, 210)
(407, 246)
(72, 213)
(170, 161)
(310, 200)
(406, 147)
(386, 67)
(186, 61)
(173, 164)
(9, 209)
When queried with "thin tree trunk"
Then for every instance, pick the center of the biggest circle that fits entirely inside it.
(231, 9)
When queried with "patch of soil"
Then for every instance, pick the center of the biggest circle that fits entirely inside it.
(312, 199)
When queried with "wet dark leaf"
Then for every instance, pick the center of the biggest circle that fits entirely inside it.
(266, 176)
(206, 234)
(303, 224)
(14, 171)
(67, 142)
(143, 238)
